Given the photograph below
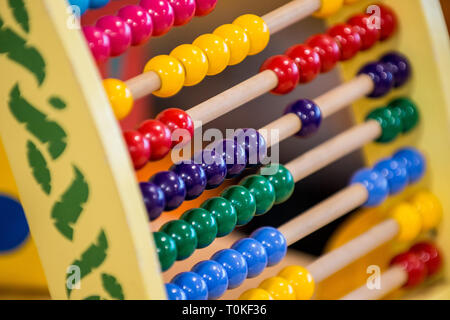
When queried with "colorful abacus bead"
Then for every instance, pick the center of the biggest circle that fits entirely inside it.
(399, 66)
(233, 155)
(194, 178)
(234, 264)
(382, 78)
(215, 276)
(192, 284)
(204, 7)
(262, 190)
(413, 266)
(194, 61)
(166, 249)
(407, 111)
(309, 114)
(179, 123)
(224, 213)
(273, 242)
(216, 50)
(395, 173)
(138, 148)
(328, 50)
(307, 61)
(237, 41)
(118, 31)
(171, 74)
(119, 96)
(174, 292)
(430, 255)
(243, 202)
(214, 167)
(391, 124)
(409, 221)
(348, 39)
(369, 34)
(96, 4)
(204, 224)
(184, 236)
(184, 11)
(328, 8)
(139, 21)
(300, 280)
(286, 70)
(388, 22)
(256, 294)
(173, 187)
(375, 183)
(98, 42)
(154, 199)
(159, 136)
(281, 179)
(254, 145)
(254, 254)
(430, 209)
(82, 5)
(414, 161)
(162, 15)
(278, 288)
(256, 30)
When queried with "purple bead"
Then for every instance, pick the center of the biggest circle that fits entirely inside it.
(172, 186)
(162, 15)
(254, 145)
(118, 31)
(184, 11)
(204, 7)
(308, 113)
(214, 166)
(382, 78)
(153, 199)
(233, 154)
(399, 66)
(98, 42)
(194, 178)
(139, 21)
(375, 183)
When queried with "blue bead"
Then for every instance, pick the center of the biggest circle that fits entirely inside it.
(414, 161)
(308, 113)
(254, 145)
(214, 166)
(95, 4)
(395, 172)
(399, 66)
(376, 184)
(274, 243)
(13, 224)
(83, 5)
(153, 199)
(174, 292)
(254, 254)
(194, 178)
(192, 284)
(233, 154)
(382, 78)
(234, 264)
(173, 188)
(215, 277)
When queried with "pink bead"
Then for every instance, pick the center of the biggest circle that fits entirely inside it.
(162, 14)
(99, 43)
(184, 11)
(119, 33)
(204, 7)
(140, 23)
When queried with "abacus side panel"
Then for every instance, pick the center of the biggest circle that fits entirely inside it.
(74, 177)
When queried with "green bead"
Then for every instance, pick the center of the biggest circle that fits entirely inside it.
(184, 236)
(166, 249)
(243, 201)
(281, 180)
(224, 213)
(262, 190)
(407, 111)
(204, 224)
(391, 124)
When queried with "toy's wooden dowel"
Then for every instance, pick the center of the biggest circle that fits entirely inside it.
(287, 126)
(325, 212)
(234, 97)
(144, 84)
(356, 248)
(392, 279)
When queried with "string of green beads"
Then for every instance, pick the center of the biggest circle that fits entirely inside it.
(282, 181)
(166, 250)
(262, 190)
(184, 236)
(204, 224)
(224, 213)
(243, 202)
(407, 111)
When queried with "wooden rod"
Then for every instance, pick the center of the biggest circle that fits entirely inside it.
(287, 126)
(144, 84)
(394, 278)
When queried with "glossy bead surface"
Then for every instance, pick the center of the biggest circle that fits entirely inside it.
(153, 199)
(192, 284)
(388, 22)
(282, 181)
(237, 41)
(83, 5)
(413, 266)
(262, 190)
(415, 163)
(139, 21)
(214, 166)
(254, 254)
(328, 8)
(429, 208)
(382, 78)
(174, 292)
(172, 186)
(391, 124)
(328, 50)
(119, 97)
(118, 31)
(194, 178)
(257, 31)
(255, 294)
(243, 202)
(376, 184)
(233, 154)
(309, 114)
(171, 73)
(278, 288)
(254, 145)
(274, 243)
(184, 236)
(138, 148)
(215, 277)
(204, 224)
(348, 39)
(234, 264)
(179, 123)
(399, 66)
(395, 173)
(184, 11)
(95, 4)
(307, 60)
(162, 15)
(204, 7)
(430, 255)
(224, 213)
(407, 111)
(166, 249)
(286, 70)
(194, 62)
(409, 221)
(98, 42)
(368, 33)
(300, 280)
(216, 50)
(159, 136)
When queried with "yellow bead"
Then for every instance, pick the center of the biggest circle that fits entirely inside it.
(194, 62)
(409, 220)
(236, 40)
(171, 73)
(429, 208)
(328, 8)
(119, 96)
(300, 280)
(216, 51)
(255, 294)
(278, 288)
(257, 31)
(350, 1)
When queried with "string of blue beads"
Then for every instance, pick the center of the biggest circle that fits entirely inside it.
(88, 4)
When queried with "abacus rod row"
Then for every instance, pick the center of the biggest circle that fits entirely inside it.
(356, 248)
(395, 277)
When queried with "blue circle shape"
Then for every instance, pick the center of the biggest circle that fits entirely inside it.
(174, 292)
(13, 224)
(376, 184)
(215, 277)
(192, 284)
(395, 172)
(254, 253)
(234, 264)
(414, 161)
(274, 243)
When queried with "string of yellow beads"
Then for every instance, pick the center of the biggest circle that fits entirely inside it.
(429, 208)
(409, 220)
(328, 8)
(257, 31)
(256, 294)
(216, 51)
(300, 280)
(279, 288)
(194, 62)
(171, 74)
(120, 97)
(237, 41)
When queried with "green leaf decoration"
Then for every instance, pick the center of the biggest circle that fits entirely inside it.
(92, 258)
(39, 167)
(46, 131)
(20, 14)
(112, 286)
(93, 298)
(68, 209)
(57, 103)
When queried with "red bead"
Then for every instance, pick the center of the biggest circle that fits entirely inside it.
(413, 266)
(184, 11)
(286, 71)
(140, 23)
(204, 7)
(162, 15)
(430, 255)
(388, 22)
(99, 43)
(118, 31)
(177, 119)
(159, 136)
(369, 33)
(348, 39)
(138, 147)
(307, 60)
(328, 50)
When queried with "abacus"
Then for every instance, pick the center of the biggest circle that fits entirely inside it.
(129, 214)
